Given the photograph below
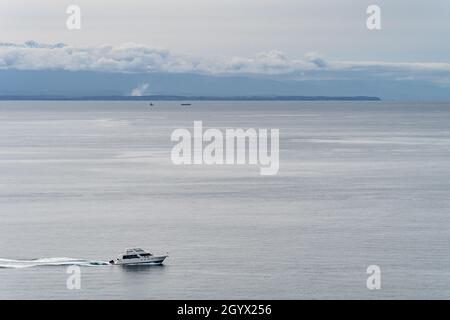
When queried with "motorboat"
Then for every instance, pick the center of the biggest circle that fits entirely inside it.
(137, 256)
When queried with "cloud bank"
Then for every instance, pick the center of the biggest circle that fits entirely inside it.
(138, 58)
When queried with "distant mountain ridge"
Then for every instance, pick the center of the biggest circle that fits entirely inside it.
(189, 98)
(84, 85)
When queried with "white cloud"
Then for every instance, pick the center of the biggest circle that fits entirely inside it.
(140, 90)
(138, 58)
(316, 58)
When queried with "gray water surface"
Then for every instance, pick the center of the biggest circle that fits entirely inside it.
(360, 183)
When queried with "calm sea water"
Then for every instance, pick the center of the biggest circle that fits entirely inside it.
(359, 184)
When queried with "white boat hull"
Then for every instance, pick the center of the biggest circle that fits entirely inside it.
(153, 260)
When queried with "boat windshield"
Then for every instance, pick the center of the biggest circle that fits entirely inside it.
(145, 254)
(130, 256)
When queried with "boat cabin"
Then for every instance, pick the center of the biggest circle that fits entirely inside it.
(135, 253)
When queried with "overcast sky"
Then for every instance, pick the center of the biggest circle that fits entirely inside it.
(412, 30)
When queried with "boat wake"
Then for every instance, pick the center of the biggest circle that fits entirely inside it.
(17, 264)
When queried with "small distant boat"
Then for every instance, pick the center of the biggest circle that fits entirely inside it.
(186, 104)
(137, 256)
(151, 104)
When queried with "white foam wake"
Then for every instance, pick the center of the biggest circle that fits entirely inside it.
(15, 264)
